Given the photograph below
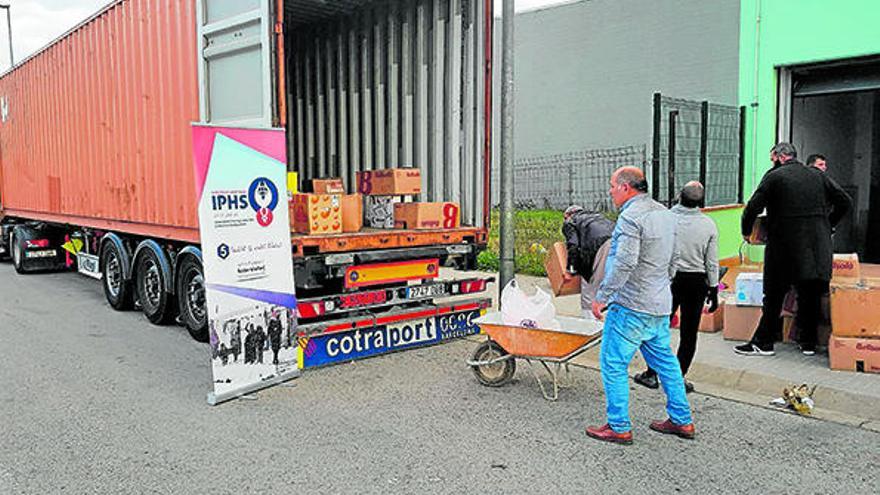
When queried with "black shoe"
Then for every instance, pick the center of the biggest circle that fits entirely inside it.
(808, 349)
(688, 387)
(750, 349)
(647, 379)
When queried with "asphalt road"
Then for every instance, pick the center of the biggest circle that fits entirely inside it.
(94, 401)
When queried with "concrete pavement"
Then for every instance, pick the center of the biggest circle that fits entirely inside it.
(846, 397)
(95, 401)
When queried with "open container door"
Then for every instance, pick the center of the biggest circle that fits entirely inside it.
(235, 62)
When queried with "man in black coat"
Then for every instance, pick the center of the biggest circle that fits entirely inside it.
(803, 205)
(587, 241)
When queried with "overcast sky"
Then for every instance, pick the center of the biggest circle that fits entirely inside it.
(37, 22)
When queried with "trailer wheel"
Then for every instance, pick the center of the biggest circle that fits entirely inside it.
(191, 298)
(118, 291)
(149, 282)
(17, 247)
(492, 375)
(18, 244)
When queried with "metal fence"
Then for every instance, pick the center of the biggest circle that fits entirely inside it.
(697, 141)
(558, 181)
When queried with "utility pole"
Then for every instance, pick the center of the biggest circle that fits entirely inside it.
(507, 193)
(5, 7)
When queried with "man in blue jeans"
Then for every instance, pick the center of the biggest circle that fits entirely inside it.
(636, 292)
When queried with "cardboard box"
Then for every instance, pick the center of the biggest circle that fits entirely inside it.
(845, 269)
(870, 274)
(740, 322)
(317, 213)
(790, 331)
(425, 216)
(758, 236)
(712, 322)
(352, 213)
(854, 354)
(325, 186)
(750, 289)
(728, 281)
(556, 265)
(379, 211)
(390, 182)
(855, 311)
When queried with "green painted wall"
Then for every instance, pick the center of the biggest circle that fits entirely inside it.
(793, 32)
(728, 222)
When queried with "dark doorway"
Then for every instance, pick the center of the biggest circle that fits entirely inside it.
(835, 111)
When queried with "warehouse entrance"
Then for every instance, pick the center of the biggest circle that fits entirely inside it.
(834, 110)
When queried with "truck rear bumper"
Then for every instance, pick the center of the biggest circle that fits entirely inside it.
(322, 344)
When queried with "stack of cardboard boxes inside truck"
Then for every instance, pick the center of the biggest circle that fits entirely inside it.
(849, 315)
(384, 200)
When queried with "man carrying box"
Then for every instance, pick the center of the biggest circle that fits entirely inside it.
(587, 240)
(637, 295)
(803, 204)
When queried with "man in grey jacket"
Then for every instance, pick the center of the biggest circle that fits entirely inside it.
(696, 275)
(636, 292)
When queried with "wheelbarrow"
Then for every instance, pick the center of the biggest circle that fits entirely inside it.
(494, 361)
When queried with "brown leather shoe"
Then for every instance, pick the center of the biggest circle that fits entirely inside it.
(670, 428)
(606, 434)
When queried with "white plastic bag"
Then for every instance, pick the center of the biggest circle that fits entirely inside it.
(521, 310)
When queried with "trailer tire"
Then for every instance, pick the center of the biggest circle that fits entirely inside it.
(17, 248)
(191, 300)
(18, 245)
(158, 305)
(117, 290)
(492, 375)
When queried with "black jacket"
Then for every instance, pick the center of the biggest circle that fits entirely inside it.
(803, 204)
(584, 235)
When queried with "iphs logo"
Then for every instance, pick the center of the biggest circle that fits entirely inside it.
(263, 198)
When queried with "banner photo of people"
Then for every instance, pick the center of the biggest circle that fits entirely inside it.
(241, 181)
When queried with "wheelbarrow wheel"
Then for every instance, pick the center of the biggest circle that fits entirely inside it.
(496, 374)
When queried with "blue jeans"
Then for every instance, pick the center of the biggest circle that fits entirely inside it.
(625, 332)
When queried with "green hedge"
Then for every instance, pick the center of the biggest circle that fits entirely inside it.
(534, 232)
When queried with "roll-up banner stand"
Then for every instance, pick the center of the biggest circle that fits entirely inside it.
(241, 183)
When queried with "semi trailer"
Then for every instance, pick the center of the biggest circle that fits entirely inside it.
(96, 169)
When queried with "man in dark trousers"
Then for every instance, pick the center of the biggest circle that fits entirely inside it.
(803, 204)
(260, 343)
(275, 337)
(587, 241)
(696, 276)
(250, 353)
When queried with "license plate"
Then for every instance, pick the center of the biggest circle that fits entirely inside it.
(420, 291)
(44, 253)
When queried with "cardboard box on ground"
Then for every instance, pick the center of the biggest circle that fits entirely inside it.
(854, 354)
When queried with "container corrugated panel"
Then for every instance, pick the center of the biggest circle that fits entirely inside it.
(97, 127)
(393, 84)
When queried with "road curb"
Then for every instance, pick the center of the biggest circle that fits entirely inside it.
(759, 389)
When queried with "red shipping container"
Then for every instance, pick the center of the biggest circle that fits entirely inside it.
(119, 154)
